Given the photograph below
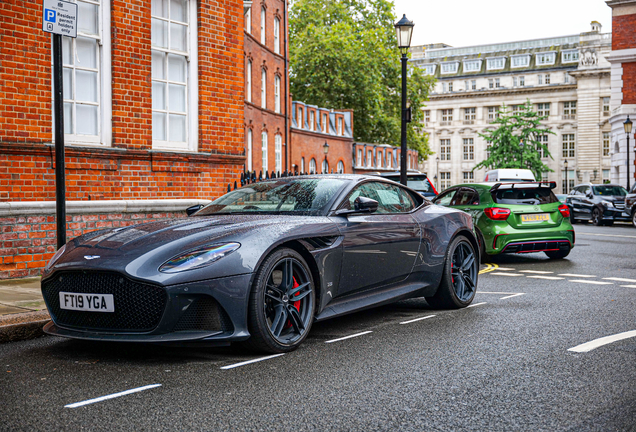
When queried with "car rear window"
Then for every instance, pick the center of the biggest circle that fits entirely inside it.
(527, 196)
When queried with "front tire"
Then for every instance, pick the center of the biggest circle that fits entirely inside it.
(597, 217)
(459, 280)
(281, 305)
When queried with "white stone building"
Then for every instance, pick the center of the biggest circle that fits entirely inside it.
(566, 78)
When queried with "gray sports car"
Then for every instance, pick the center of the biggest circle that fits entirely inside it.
(260, 264)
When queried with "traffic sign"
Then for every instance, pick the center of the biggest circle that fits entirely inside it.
(59, 17)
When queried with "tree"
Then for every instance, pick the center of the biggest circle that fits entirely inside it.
(344, 55)
(515, 143)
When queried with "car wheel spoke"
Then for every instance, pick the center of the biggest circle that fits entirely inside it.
(296, 320)
(288, 275)
(279, 321)
(275, 296)
(459, 287)
(299, 292)
(468, 262)
(468, 281)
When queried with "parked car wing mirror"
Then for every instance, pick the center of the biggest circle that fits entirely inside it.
(360, 205)
(192, 210)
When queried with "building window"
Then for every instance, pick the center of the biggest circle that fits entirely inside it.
(493, 113)
(606, 143)
(469, 149)
(325, 166)
(569, 110)
(445, 181)
(370, 158)
(472, 66)
(249, 149)
(312, 166)
(174, 72)
(277, 94)
(514, 81)
(340, 167)
(450, 86)
(522, 81)
(488, 148)
(543, 109)
(566, 78)
(312, 119)
(568, 145)
(448, 68)
(379, 161)
(469, 115)
(570, 56)
(497, 83)
(445, 149)
(520, 61)
(543, 139)
(516, 108)
(466, 85)
(276, 35)
(447, 116)
(606, 176)
(473, 84)
(389, 159)
(325, 123)
(340, 126)
(264, 150)
(443, 87)
(86, 76)
(540, 79)
(278, 153)
(263, 25)
(606, 106)
(360, 162)
(545, 58)
(248, 81)
(491, 83)
(263, 88)
(302, 165)
(495, 63)
(547, 78)
(469, 177)
(429, 69)
(427, 117)
(248, 20)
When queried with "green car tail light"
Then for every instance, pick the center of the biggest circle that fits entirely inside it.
(497, 213)
(565, 210)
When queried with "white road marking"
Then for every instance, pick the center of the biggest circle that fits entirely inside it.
(620, 279)
(349, 337)
(506, 274)
(628, 286)
(535, 271)
(589, 346)
(546, 277)
(510, 296)
(505, 269)
(590, 282)
(418, 319)
(112, 396)
(260, 359)
(492, 292)
(604, 235)
(575, 275)
(477, 304)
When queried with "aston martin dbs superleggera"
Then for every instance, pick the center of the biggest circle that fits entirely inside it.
(260, 264)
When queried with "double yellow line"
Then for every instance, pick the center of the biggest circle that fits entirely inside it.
(489, 268)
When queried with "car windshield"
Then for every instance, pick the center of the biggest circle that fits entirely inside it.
(609, 190)
(306, 196)
(527, 196)
(418, 183)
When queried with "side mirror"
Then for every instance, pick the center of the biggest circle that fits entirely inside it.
(366, 205)
(192, 210)
(590, 196)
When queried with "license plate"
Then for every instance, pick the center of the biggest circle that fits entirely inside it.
(87, 302)
(535, 217)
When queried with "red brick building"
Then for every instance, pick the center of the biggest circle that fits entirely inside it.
(153, 109)
(623, 84)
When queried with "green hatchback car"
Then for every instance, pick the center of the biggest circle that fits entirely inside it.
(514, 217)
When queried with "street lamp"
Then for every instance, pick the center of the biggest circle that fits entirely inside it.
(404, 29)
(325, 165)
(627, 125)
(565, 163)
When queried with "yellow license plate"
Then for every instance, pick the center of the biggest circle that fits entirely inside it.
(535, 217)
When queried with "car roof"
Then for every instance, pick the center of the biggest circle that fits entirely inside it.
(397, 173)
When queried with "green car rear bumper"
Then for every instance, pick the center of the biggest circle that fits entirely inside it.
(502, 238)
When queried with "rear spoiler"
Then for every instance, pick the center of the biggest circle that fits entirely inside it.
(550, 185)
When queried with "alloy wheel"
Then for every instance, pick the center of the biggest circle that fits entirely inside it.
(464, 269)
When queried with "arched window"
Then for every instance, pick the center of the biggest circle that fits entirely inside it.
(276, 35)
(277, 94)
(248, 20)
(278, 149)
(325, 167)
(263, 89)
(263, 26)
(312, 166)
(302, 165)
(340, 167)
(248, 79)
(264, 148)
(249, 149)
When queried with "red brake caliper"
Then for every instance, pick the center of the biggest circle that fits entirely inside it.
(296, 304)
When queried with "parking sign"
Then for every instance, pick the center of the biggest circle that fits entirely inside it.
(59, 17)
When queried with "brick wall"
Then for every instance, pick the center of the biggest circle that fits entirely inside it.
(310, 145)
(629, 83)
(623, 34)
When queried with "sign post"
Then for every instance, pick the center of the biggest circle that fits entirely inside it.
(60, 19)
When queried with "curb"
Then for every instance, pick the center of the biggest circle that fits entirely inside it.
(22, 326)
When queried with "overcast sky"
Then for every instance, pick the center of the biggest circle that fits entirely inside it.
(477, 22)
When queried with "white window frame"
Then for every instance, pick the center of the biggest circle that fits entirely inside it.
(312, 166)
(517, 61)
(312, 120)
(250, 139)
(547, 78)
(263, 88)
(429, 69)
(570, 56)
(340, 126)
(543, 109)
(369, 158)
(340, 167)
(248, 78)
(276, 35)
(264, 150)
(248, 20)
(495, 63)
(325, 123)
(522, 81)
(569, 145)
(473, 84)
(325, 166)
(192, 88)
(263, 23)
(469, 149)
(278, 154)
(469, 177)
(302, 165)
(360, 158)
(277, 94)
(545, 58)
(472, 65)
(449, 67)
(445, 149)
(104, 78)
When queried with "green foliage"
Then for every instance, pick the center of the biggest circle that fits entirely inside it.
(515, 128)
(344, 55)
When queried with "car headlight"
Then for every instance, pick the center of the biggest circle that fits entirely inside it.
(606, 203)
(55, 257)
(198, 258)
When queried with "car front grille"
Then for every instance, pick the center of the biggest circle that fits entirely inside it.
(204, 314)
(619, 205)
(138, 306)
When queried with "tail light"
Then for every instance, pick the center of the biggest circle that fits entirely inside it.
(565, 210)
(497, 213)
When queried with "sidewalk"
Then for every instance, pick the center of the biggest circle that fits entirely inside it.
(22, 309)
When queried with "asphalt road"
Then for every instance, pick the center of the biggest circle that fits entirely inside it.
(502, 364)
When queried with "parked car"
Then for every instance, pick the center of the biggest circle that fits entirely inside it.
(260, 264)
(630, 203)
(514, 217)
(603, 204)
(509, 175)
(415, 180)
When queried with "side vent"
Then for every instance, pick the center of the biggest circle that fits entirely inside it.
(321, 242)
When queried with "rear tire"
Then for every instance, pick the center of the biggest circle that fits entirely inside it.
(485, 258)
(560, 254)
(459, 279)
